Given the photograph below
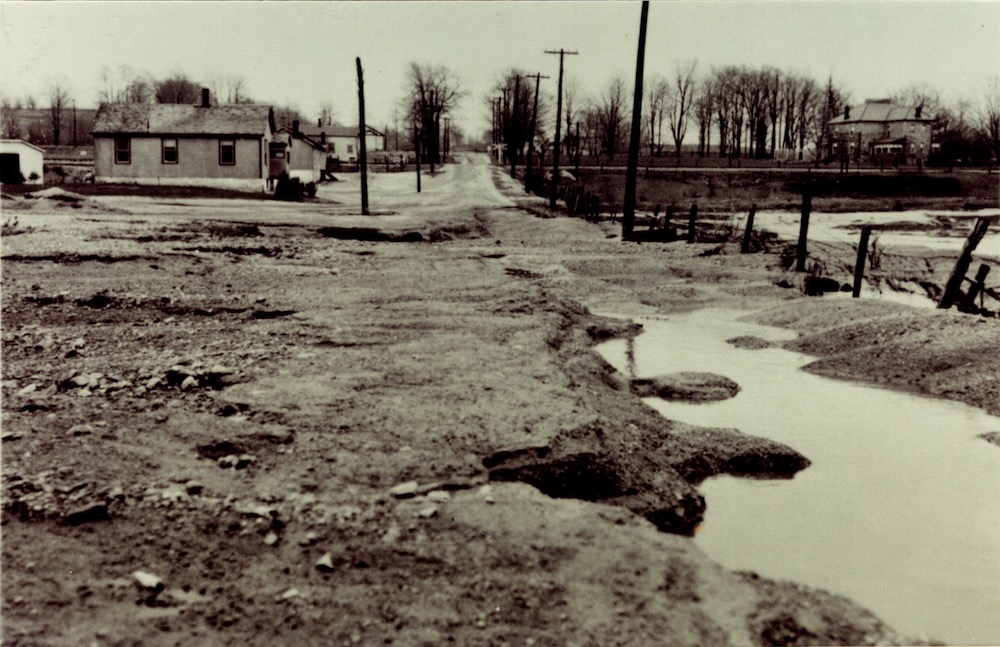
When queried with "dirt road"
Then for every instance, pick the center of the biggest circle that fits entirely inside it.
(260, 423)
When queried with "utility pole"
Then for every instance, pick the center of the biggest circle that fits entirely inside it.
(362, 136)
(628, 208)
(554, 191)
(534, 124)
(416, 146)
(515, 110)
(447, 137)
(578, 150)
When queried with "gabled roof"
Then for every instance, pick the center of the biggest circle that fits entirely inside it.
(301, 136)
(181, 119)
(336, 131)
(21, 142)
(880, 111)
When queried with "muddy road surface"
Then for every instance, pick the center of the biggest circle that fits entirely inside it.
(257, 423)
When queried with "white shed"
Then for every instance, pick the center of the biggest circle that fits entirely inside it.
(21, 162)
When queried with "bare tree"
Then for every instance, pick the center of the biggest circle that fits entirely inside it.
(433, 93)
(805, 112)
(921, 95)
(328, 114)
(773, 83)
(827, 107)
(124, 85)
(704, 110)
(657, 94)
(177, 89)
(58, 102)
(10, 127)
(680, 105)
(610, 119)
(229, 89)
(989, 115)
(513, 94)
(573, 99)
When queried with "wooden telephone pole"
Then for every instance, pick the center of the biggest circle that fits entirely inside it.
(628, 208)
(362, 132)
(534, 124)
(554, 191)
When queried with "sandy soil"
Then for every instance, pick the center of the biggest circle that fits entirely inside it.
(246, 423)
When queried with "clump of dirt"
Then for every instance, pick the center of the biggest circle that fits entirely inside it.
(750, 342)
(686, 386)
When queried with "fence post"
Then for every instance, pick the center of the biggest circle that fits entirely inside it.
(748, 230)
(953, 288)
(968, 303)
(801, 252)
(859, 267)
(692, 217)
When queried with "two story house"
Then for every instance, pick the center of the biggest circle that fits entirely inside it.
(881, 131)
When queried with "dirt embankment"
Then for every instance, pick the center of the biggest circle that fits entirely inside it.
(263, 434)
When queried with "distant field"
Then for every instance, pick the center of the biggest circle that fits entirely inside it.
(737, 190)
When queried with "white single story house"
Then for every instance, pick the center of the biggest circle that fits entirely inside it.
(21, 162)
(343, 143)
(177, 144)
(306, 154)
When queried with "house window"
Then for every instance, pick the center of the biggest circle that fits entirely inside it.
(168, 151)
(123, 150)
(227, 152)
(350, 149)
(333, 147)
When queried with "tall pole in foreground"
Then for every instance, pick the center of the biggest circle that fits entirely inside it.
(361, 140)
(628, 208)
(554, 191)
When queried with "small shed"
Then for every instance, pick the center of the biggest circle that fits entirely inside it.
(21, 162)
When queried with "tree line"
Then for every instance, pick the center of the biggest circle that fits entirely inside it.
(124, 84)
(730, 112)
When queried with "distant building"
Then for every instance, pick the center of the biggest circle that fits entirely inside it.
(881, 131)
(343, 143)
(195, 145)
(21, 162)
(306, 154)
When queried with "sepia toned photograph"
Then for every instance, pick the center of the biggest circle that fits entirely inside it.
(493, 323)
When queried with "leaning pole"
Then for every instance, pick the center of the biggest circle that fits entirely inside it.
(628, 208)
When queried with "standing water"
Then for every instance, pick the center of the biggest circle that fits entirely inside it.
(900, 509)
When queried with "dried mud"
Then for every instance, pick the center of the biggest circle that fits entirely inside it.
(366, 441)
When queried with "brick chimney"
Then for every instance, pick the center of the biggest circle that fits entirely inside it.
(204, 98)
(917, 111)
(847, 112)
(319, 122)
(295, 126)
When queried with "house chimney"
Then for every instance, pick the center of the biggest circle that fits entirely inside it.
(295, 126)
(917, 111)
(204, 98)
(319, 122)
(847, 112)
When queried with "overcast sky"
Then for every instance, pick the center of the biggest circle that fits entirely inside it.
(303, 53)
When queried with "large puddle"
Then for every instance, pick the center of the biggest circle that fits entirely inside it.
(900, 509)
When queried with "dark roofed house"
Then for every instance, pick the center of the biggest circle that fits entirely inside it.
(306, 153)
(178, 144)
(881, 130)
(343, 143)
